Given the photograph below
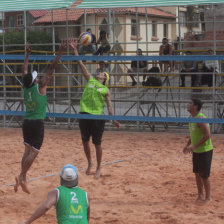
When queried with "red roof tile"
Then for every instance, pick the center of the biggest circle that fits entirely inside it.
(37, 13)
(75, 14)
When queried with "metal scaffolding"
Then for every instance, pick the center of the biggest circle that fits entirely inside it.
(64, 93)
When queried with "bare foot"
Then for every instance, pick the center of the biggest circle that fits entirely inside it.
(24, 187)
(97, 174)
(200, 198)
(88, 169)
(16, 184)
(207, 200)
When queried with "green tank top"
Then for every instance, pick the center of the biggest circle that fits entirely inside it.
(93, 97)
(35, 103)
(196, 135)
(71, 206)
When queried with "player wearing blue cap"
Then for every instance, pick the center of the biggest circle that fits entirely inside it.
(71, 202)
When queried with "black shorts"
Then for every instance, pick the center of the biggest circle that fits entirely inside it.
(92, 128)
(202, 163)
(33, 133)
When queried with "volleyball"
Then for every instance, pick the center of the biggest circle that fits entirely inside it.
(85, 38)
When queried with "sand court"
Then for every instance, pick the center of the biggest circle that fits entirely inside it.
(145, 178)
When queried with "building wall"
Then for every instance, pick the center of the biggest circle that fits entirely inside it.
(214, 14)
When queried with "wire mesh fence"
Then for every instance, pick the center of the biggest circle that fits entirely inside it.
(127, 30)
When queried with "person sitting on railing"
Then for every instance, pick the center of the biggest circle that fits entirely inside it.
(209, 66)
(105, 45)
(137, 66)
(189, 66)
(91, 48)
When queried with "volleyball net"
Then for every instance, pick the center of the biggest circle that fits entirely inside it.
(139, 106)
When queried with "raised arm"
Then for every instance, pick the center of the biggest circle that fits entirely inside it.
(26, 61)
(86, 74)
(46, 79)
(110, 109)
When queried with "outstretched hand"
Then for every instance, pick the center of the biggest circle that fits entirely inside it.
(73, 43)
(63, 45)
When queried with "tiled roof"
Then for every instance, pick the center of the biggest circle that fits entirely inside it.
(75, 14)
(60, 16)
(37, 13)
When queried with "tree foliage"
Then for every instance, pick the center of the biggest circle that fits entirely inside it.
(14, 40)
(190, 14)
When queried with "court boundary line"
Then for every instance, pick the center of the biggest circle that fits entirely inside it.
(80, 169)
(54, 174)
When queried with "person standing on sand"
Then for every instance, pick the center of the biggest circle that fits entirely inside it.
(92, 102)
(200, 145)
(71, 202)
(33, 125)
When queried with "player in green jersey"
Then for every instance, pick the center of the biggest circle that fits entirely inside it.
(71, 202)
(200, 145)
(33, 126)
(92, 102)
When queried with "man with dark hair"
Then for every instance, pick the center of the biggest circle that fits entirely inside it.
(209, 67)
(200, 145)
(33, 126)
(71, 202)
(138, 67)
(92, 102)
(91, 48)
(189, 66)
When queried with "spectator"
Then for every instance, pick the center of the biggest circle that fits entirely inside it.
(209, 66)
(91, 48)
(71, 202)
(165, 49)
(102, 67)
(138, 66)
(105, 46)
(189, 66)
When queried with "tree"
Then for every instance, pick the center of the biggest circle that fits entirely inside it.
(190, 14)
(14, 40)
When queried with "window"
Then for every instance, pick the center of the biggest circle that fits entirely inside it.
(196, 20)
(20, 20)
(10, 21)
(182, 18)
(165, 30)
(154, 29)
(135, 28)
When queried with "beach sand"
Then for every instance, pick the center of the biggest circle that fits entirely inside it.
(145, 178)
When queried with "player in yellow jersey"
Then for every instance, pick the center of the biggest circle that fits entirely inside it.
(92, 102)
(200, 145)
